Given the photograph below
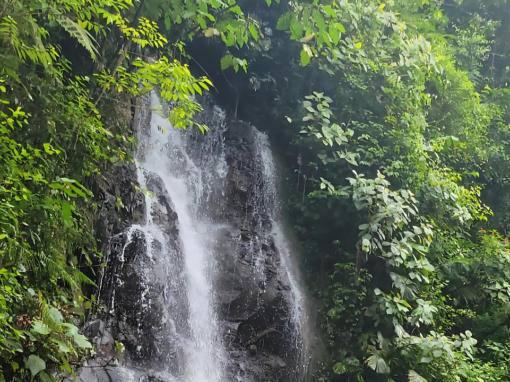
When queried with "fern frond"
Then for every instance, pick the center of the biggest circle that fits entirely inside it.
(79, 33)
(78, 275)
(10, 31)
(36, 35)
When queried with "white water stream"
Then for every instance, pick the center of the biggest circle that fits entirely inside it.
(166, 157)
(191, 177)
(282, 243)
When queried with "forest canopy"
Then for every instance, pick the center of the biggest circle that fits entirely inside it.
(392, 123)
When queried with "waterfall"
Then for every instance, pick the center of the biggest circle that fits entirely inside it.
(297, 301)
(182, 178)
(204, 288)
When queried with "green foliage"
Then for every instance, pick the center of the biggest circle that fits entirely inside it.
(398, 115)
(60, 126)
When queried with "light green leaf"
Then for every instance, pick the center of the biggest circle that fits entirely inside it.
(226, 62)
(340, 27)
(56, 315)
(334, 33)
(296, 29)
(284, 21)
(82, 341)
(330, 11)
(40, 328)
(253, 32)
(415, 377)
(305, 56)
(377, 363)
(419, 247)
(319, 20)
(35, 364)
(61, 346)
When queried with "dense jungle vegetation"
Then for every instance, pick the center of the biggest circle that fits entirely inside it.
(392, 122)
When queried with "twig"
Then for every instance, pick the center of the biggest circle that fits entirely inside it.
(205, 72)
(235, 89)
(237, 104)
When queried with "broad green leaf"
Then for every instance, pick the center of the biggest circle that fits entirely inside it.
(81, 341)
(61, 346)
(419, 247)
(45, 377)
(296, 29)
(284, 21)
(72, 329)
(319, 19)
(334, 33)
(40, 328)
(377, 363)
(56, 315)
(66, 212)
(226, 62)
(330, 11)
(35, 364)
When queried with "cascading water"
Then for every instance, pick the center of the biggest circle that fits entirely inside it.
(271, 180)
(204, 289)
(298, 317)
(168, 159)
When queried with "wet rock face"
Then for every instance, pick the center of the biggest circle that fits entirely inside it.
(114, 184)
(134, 292)
(135, 304)
(251, 291)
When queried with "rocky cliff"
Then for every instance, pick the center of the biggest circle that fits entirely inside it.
(207, 233)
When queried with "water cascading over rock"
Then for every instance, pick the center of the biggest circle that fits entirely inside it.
(204, 286)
